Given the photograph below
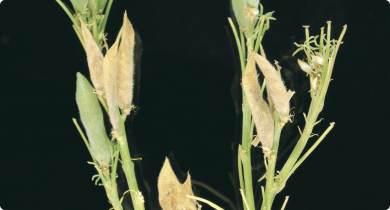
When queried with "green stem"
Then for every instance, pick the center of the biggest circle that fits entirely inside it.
(246, 154)
(303, 158)
(80, 38)
(70, 15)
(259, 37)
(84, 138)
(242, 60)
(128, 168)
(103, 25)
(271, 164)
(112, 192)
(242, 186)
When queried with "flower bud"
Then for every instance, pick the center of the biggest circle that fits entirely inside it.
(95, 60)
(92, 118)
(260, 111)
(125, 71)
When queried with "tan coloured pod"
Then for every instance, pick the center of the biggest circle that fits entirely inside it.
(275, 86)
(172, 195)
(260, 111)
(95, 60)
(110, 68)
(125, 71)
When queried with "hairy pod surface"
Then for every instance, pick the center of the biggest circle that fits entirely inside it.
(92, 118)
(110, 68)
(275, 86)
(172, 194)
(260, 111)
(95, 60)
(125, 71)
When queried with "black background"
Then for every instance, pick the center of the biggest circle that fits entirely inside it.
(186, 104)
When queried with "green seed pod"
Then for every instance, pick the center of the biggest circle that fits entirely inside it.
(243, 15)
(92, 118)
(79, 5)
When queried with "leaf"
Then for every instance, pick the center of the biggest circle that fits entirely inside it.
(172, 195)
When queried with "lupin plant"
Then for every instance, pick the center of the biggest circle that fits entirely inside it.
(111, 73)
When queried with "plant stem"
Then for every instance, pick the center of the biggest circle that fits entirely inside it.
(242, 60)
(271, 164)
(303, 158)
(246, 153)
(70, 15)
(128, 168)
(242, 186)
(103, 25)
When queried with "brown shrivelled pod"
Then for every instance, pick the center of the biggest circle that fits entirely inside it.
(172, 195)
(275, 87)
(95, 60)
(124, 76)
(260, 111)
(110, 68)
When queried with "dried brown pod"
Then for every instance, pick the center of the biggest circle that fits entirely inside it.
(275, 86)
(95, 60)
(172, 195)
(110, 68)
(125, 71)
(259, 108)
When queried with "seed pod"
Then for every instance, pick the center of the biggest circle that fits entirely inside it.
(110, 68)
(95, 60)
(92, 118)
(240, 11)
(79, 5)
(304, 66)
(275, 87)
(188, 186)
(260, 111)
(172, 195)
(124, 76)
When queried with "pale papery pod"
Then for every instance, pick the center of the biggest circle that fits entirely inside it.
(125, 71)
(304, 66)
(110, 69)
(259, 108)
(95, 60)
(187, 184)
(275, 86)
(172, 194)
(319, 58)
(290, 94)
